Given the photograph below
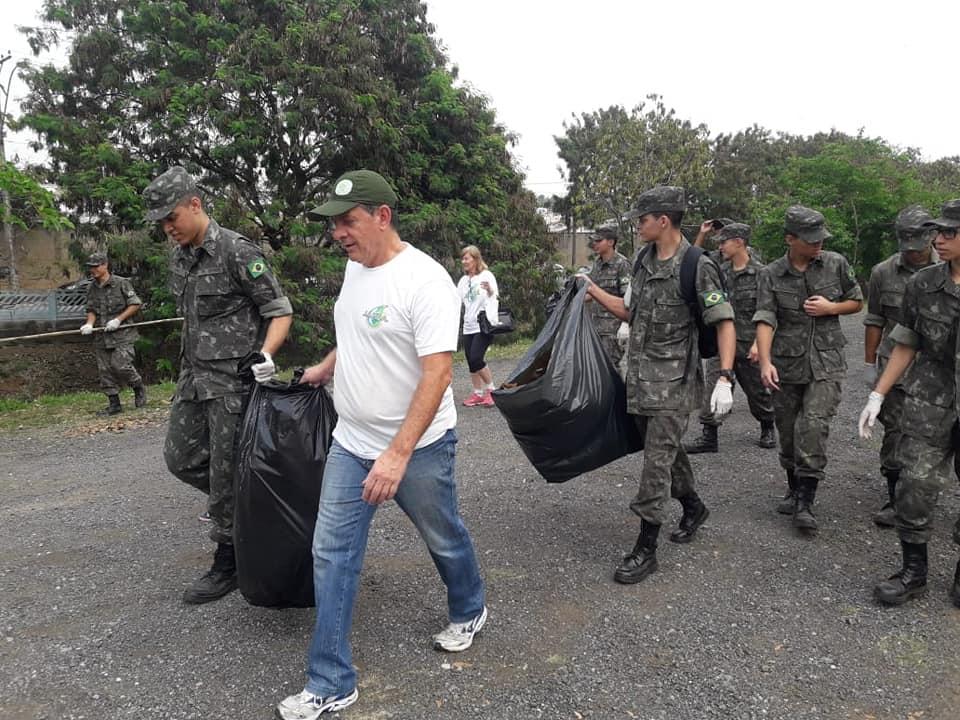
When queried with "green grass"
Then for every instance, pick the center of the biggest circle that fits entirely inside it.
(71, 408)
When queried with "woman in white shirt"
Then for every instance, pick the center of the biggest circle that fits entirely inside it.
(476, 287)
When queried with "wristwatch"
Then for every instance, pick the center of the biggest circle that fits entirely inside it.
(728, 374)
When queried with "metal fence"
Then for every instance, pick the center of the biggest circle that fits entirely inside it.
(44, 306)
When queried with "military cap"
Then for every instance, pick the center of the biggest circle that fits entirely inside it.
(357, 187)
(166, 191)
(949, 215)
(721, 222)
(661, 199)
(733, 230)
(913, 228)
(604, 233)
(97, 258)
(806, 224)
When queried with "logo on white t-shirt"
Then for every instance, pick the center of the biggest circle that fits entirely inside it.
(376, 316)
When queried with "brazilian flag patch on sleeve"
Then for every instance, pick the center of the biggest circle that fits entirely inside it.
(713, 297)
(256, 268)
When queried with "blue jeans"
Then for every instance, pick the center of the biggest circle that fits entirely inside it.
(428, 496)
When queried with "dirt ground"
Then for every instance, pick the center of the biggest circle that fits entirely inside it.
(97, 542)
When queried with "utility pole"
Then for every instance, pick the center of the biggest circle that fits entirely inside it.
(7, 225)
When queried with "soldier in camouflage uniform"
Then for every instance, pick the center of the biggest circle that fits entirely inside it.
(741, 271)
(925, 356)
(111, 303)
(232, 306)
(611, 272)
(888, 281)
(709, 441)
(800, 298)
(664, 374)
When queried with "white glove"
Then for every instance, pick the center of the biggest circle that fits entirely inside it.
(623, 333)
(265, 370)
(86, 329)
(112, 325)
(871, 374)
(721, 402)
(869, 415)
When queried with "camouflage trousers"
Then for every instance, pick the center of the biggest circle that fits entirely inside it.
(926, 470)
(803, 414)
(199, 450)
(666, 467)
(115, 367)
(891, 417)
(612, 347)
(759, 399)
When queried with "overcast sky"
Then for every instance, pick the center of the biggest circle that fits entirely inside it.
(889, 68)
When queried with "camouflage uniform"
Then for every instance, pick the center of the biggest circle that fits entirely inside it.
(808, 355)
(613, 276)
(664, 374)
(928, 324)
(114, 350)
(227, 295)
(888, 281)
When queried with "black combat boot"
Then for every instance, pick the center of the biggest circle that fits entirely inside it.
(803, 518)
(642, 561)
(887, 516)
(217, 581)
(113, 408)
(955, 590)
(706, 443)
(139, 395)
(788, 505)
(910, 581)
(695, 513)
(768, 434)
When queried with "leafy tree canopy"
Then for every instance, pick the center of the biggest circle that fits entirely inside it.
(31, 204)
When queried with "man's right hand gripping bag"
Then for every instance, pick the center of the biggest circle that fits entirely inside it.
(282, 446)
(565, 402)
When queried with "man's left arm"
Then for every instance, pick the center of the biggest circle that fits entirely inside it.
(133, 304)
(384, 477)
(261, 285)
(850, 302)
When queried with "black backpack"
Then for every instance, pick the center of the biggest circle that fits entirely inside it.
(706, 334)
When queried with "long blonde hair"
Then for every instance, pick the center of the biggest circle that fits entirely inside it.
(474, 252)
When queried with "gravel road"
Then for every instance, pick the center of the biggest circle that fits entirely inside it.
(97, 542)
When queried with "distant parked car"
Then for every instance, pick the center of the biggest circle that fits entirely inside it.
(80, 284)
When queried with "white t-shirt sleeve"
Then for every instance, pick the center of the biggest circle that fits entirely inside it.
(435, 315)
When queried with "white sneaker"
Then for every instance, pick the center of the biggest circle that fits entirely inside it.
(457, 637)
(307, 706)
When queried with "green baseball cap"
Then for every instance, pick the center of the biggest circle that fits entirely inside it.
(357, 187)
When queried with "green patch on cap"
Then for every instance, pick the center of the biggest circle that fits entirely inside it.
(256, 268)
(713, 297)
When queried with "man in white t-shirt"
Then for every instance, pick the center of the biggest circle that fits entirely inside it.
(396, 321)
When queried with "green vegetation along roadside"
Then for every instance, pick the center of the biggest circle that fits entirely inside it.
(77, 409)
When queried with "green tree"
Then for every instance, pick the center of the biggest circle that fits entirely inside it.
(613, 155)
(31, 204)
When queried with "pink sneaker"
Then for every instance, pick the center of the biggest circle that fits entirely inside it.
(487, 400)
(473, 400)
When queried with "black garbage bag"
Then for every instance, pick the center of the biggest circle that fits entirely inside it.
(282, 445)
(565, 402)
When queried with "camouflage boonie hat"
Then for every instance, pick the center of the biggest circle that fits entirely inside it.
(733, 230)
(97, 258)
(806, 224)
(662, 199)
(166, 191)
(357, 187)
(914, 231)
(604, 233)
(949, 215)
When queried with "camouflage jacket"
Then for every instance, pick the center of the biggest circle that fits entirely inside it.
(614, 277)
(106, 302)
(888, 281)
(664, 373)
(226, 294)
(806, 348)
(928, 324)
(742, 291)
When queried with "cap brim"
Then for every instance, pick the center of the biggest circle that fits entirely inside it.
(160, 213)
(815, 236)
(943, 222)
(331, 208)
